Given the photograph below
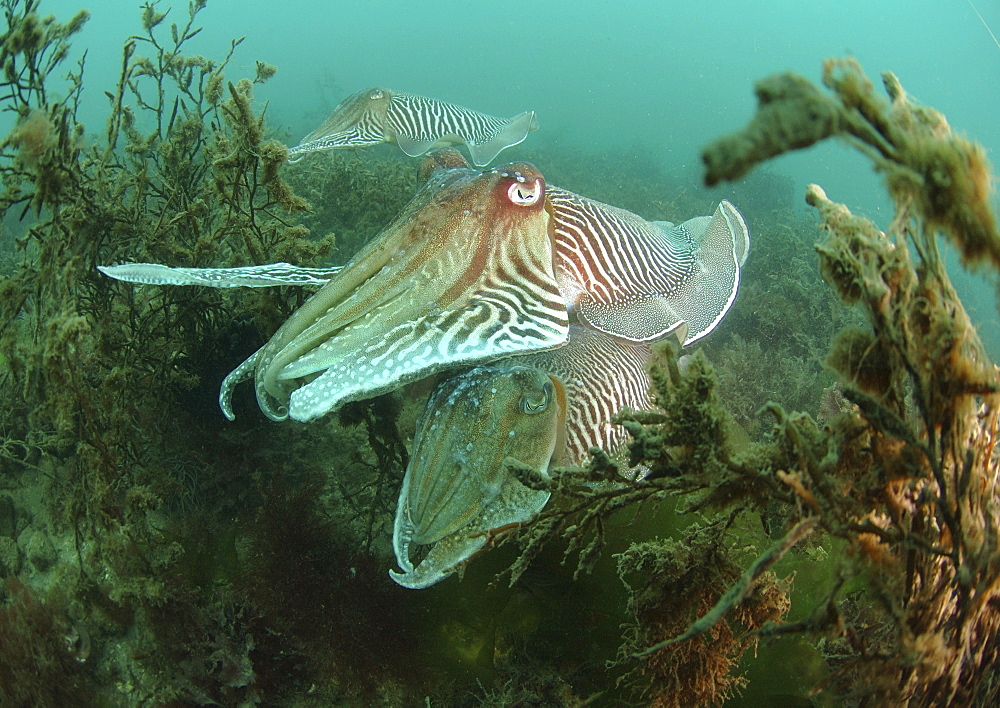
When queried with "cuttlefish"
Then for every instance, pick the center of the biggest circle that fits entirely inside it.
(544, 409)
(416, 124)
(480, 265)
(462, 276)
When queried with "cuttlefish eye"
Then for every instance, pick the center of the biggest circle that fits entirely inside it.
(537, 401)
(525, 193)
(376, 94)
(520, 183)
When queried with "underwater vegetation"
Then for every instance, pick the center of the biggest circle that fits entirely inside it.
(155, 553)
(920, 440)
(121, 483)
(904, 473)
(352, 196)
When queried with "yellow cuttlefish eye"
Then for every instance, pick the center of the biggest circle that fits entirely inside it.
(537, 402)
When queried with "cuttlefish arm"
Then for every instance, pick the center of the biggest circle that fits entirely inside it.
(457, 489)
(642, 280)
(463, 276)
(259, 276)
(416, 124)
(540, 409)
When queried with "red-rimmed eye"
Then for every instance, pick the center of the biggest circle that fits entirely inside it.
(519, 184)
(525, 193)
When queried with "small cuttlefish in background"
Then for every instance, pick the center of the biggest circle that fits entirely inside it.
(416, 124)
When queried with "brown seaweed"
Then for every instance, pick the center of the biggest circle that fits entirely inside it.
(903, 473)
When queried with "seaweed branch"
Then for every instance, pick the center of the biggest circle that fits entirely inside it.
(945, 176)
(925, 395)
(103, 405)
(741, 589)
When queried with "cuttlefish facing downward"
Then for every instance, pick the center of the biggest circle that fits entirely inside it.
(457, 489)
(416, 124)
(542, 410)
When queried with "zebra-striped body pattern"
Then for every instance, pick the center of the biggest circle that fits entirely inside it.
(416, 124)
(457, 490)
(642, 280)
(601, 375)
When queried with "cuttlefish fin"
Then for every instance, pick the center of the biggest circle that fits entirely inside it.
(737, 225)
(641, 281)
(721, 243)
(258, 276)
(641, 318)
(699, 229)
(513, 133)
(415, 147)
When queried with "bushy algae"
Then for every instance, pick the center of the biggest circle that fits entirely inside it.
(903, 475)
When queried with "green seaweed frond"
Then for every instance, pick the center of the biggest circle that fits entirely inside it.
(109, 416)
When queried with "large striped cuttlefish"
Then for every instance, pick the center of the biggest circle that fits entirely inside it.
(541, 409)
(416, 124)
(462, 276)
(479, 266)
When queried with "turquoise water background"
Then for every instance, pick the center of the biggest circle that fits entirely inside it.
(653, 80)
